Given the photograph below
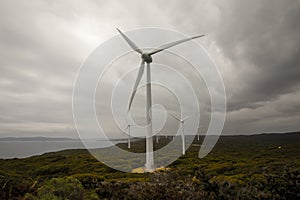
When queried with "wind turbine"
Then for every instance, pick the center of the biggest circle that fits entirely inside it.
(147, 58)
(128, 140)
(156, 136)
(182, 133)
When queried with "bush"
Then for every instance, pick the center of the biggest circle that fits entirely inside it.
(89, 181)
(59, 188)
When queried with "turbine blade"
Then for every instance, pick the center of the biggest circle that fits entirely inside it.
(126, 127)
(174, 117)
(169, 45)
(136, 84)
(185, 118)
(131, 43)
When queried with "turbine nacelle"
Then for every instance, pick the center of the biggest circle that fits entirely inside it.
(147, 58)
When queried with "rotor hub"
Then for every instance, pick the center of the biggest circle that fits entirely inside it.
(147, 58)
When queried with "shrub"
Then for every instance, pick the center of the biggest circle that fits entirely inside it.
(59, 188)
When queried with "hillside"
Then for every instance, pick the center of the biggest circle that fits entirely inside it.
(264, 166)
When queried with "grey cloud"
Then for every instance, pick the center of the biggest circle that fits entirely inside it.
(43, 44)
(263, 37)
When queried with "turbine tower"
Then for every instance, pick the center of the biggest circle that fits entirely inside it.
(156, 136)
(147, 58)
(182, 133)
(128, 140)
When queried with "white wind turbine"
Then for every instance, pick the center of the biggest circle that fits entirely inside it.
(128, 140)
(181, 120)
(147, 57)
(156, 136)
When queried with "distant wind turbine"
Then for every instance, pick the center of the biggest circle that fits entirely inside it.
(182, 133)
(156, 136)
(147, 57)
(128, 140)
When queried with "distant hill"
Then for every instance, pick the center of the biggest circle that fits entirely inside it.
(35, 139)
(290, 135)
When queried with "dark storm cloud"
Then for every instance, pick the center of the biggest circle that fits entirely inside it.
(256, 46)
(254, 43)
(261, 38)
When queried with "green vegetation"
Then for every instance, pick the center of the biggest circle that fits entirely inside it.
(239, 167)
(59, 188)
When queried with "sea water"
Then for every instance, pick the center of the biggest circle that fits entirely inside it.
(22, 149)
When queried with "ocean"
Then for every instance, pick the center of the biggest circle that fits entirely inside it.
(23, 149)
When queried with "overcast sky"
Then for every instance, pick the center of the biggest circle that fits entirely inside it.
(255, 45)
